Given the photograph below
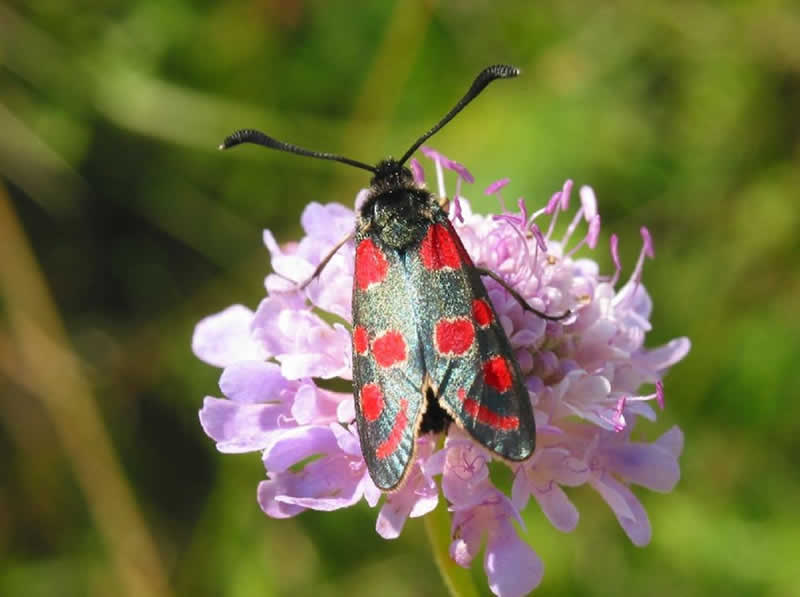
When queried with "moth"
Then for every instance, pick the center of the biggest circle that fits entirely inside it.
(428, 348)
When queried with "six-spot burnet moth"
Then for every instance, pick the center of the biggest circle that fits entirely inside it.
(428, 348)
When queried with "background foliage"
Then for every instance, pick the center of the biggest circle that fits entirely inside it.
(121, 226)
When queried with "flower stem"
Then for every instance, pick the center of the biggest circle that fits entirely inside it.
(459, 582)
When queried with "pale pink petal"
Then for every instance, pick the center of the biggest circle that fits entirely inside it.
(467, 538)
(398, 507)
(648, 465)
(240, 427)
(347, 439)
(512, 567)
(558, 508)
(265, 322)
(292, 269)
(297, 444)
(416, 497)
(267, 492)
(664, 357)
(672, 441)
(224, 338)
(372, 494)
(327, 223)
(315, 405)
(465, 478)
(329, 483)
(628, 510)
(346, 411)
(253, 381)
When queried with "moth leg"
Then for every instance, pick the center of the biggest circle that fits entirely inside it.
(523, 303)
(324, 262)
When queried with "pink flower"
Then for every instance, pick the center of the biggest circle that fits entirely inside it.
(481, 512)
(417, 496)
(337, 480)
(585, 376)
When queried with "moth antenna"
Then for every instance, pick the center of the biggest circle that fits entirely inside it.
(259, 138)
(486, 76)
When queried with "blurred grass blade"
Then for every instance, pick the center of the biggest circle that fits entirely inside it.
(54, 375)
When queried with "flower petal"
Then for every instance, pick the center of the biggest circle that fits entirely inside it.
(649, 465)
(327, 223)
(512, 567)
(329, 483)
(253, 382)
(662, 358)
(672, 441)
(465, 478)
(467, 536)
(224, 338)
(400, 505)
(346, 411)
(240, 427)
(558, 508)
(418, 496)
(313, 405)
(297, 444)
(268, 490)
(629, 511)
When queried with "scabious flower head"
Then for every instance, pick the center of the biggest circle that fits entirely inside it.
(584, 375)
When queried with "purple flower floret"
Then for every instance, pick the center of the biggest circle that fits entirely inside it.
(584, 374)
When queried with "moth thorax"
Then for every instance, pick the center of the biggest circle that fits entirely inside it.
(400, 217)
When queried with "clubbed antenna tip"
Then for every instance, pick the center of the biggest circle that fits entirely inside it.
(486, 76)
(259, 138)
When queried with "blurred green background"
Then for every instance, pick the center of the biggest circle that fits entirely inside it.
(121, 226)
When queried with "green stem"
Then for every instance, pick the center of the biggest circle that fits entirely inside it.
(459, 581)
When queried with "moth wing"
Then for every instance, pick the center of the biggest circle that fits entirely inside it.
(387, 362)
(466, 351)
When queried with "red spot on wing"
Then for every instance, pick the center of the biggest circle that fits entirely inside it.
(485, 416)
(389, 445)
(371, 265)
(497, 373)
(482, 312)
(441, 248)
(453, 336)
(360, 339)
(389, 349)
(371, 401)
